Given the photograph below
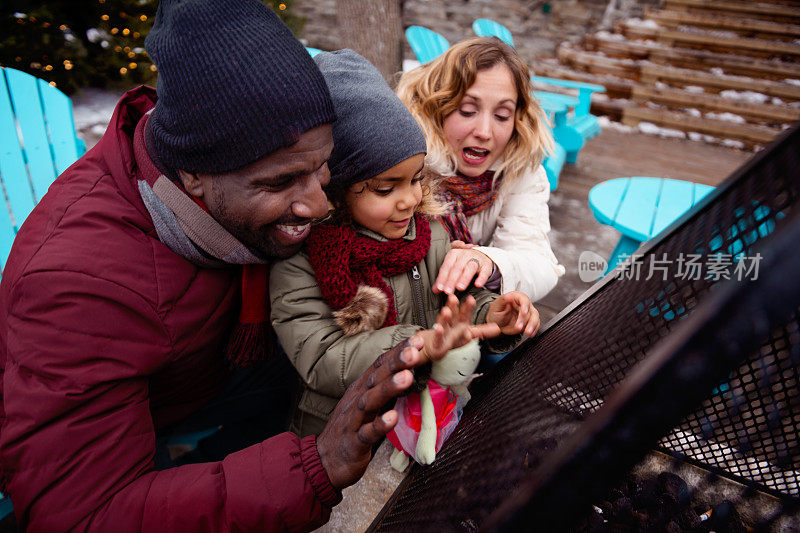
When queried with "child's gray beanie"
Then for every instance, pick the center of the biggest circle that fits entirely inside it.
(373, 130)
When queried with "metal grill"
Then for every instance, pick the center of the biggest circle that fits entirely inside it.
(654, 356)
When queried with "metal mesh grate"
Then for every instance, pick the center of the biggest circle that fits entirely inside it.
(539, 422)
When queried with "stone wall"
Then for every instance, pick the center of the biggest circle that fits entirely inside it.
(538, 26)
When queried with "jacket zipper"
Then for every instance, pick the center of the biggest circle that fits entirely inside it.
(416, 296)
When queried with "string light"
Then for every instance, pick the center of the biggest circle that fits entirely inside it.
(143, 18)
(118, 48)
(127, 49)
(126, 31)
(52, 84)
(153, 68)
(123, 71)
(104, 17)
(63, 27)
(131, 55)
(114, 31)
(48, 68)
(282, 6)
(132, 65)
(136, 35)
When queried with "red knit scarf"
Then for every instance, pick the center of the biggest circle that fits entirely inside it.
(466, 196)
(342, 260)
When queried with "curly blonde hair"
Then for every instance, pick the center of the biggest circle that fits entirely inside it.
(434, 90)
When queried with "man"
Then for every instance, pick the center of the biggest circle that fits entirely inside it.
(123, 285)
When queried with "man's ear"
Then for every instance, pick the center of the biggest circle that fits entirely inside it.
(191, 183)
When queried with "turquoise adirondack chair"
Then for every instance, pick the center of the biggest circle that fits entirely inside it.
(490, 28)
(5, 506)
(426, 44)
(313, 51)
(581, 119)
(37, 143)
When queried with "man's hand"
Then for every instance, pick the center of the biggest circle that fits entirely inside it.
(345, 445)
(514, 313)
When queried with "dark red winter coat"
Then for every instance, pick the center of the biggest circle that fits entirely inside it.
(107, 335)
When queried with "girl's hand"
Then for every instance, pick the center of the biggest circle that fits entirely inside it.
(514, 313)
(453, 329)
(460, 265)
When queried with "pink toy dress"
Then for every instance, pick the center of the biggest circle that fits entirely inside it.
(447, 407)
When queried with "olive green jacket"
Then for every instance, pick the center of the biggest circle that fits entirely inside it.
(328, 361)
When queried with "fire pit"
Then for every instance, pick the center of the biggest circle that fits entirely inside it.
(703, 367)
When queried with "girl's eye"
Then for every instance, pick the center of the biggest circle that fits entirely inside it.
(383, 191)
(416, 179)
(502, 118)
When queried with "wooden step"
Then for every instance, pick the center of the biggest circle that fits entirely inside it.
(709, 41)
(694, 59)
(751, 135)
(758, 10)
(597, 63)
(752, 112)
(760, 29)
(615, 87)
(651, 72)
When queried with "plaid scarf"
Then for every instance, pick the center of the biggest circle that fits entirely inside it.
(465, 197)
(342, 260)
(186, 227)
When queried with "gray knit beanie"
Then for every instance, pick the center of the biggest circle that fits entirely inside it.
(373, 131)
(234, 85)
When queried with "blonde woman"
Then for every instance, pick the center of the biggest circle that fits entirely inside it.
(486, 136)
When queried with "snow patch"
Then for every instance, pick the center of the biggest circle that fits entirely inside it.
(607, 123)
(652, 129)
(410, 64)
(733, 144)
(694, 89)
(749, 96)
(608, 36)
(729, 117)
(639, 23)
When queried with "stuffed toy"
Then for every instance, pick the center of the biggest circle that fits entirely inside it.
(427, 418)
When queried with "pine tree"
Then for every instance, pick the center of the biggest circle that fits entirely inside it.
(99, 44)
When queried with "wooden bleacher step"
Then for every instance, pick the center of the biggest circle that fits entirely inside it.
(759, 29)
(619, 47)
(753, 112)
(759, 10)
(651, 73)
(751, 135)
(712, 41)
(597, 63)
(615, 87)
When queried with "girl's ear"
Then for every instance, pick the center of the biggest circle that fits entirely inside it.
(431, 205)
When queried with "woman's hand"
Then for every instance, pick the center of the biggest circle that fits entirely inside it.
(453, 329)
(460, 265)
(514, 313)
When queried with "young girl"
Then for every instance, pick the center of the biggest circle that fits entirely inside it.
(363, 282)
(487, 137)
